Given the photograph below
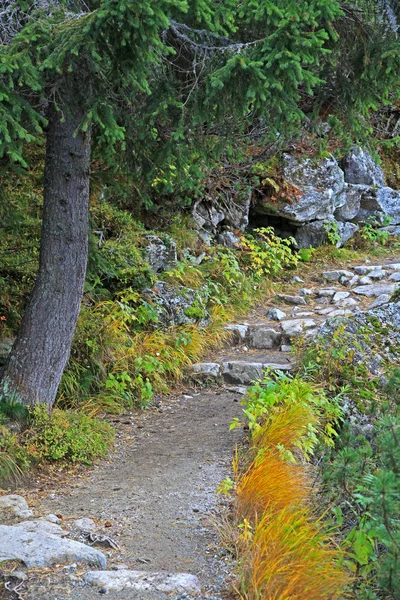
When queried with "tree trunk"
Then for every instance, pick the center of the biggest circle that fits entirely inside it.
(36, 363)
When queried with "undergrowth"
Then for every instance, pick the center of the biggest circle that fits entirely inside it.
(285, 550)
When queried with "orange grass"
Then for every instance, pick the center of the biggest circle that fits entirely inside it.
(289, 557)
(287, 554)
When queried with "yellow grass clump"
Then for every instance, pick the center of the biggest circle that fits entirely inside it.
(287, 554)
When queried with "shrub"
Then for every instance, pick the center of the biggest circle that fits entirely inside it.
(67, 435)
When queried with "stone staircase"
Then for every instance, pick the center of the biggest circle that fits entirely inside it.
(265, 340)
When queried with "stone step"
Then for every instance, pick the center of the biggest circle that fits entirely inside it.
(240, 372)
(243, 372)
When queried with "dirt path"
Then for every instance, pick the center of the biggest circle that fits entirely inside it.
(158, 493)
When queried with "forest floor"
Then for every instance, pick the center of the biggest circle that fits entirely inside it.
(155, 497)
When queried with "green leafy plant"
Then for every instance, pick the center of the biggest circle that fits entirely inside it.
(371, 231)
(333, 232)
(267, 254)
(67, 436)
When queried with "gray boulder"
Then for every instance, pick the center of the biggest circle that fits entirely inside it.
(315, 234)
(160, 253)
(312, 234)
(206, 369)
(321, 190)
(177, 305)
(244, 373)
(36, 546)
(378, 202)
(293, 300)
(381, 324)
(209, 214)
(352, 205)
(293, 328)
(360, 168)
(275, 314)
(229, 239)
(13, 507)
(264, 338)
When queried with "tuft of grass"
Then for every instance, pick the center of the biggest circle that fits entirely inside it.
(286, 551)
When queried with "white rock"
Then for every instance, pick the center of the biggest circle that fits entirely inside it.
(39, 548)
(379, 301)
(275, 314)
(42, 526)
(306, 292)
(210, 369)
(294, 300)
(327, 292)
(286, 348)
(366, 280)
(364, 269)
(326, 311)
(375, 289)
(378, 274)
(143, 581)
(296, 327)
(13, 507)
(84, 524)
(340, 296)
(304, 314)
(394, 266)
(346, 302)
(395, 277)
(340, 313)
(240, 331)
(297, 279)
(51, 518)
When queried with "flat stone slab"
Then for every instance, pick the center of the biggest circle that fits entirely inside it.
(379, 301)
(364, 269)
(336, 275)
(340, 296)
(327, 292)
(293, 300)
(394, 277)
(143, 581)
(36, 546)
(394, 266)
(375, 289)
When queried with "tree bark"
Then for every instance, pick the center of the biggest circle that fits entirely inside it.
(38, 357)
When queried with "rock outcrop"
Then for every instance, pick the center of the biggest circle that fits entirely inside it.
(324, 194)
